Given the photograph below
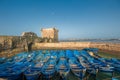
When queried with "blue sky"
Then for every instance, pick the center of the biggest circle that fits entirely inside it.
(73, 18)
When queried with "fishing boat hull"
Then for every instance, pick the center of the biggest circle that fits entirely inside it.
(48, 70)
(79, 72)
(32, 75)
(63, 68)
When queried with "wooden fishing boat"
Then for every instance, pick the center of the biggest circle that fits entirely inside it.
(69, 54)
(116, 64)
(30, 57)
(2, 60)
(63, 68)
(39, 58)
(33, 72)
(111, 65)
(106, 69)
(103, 65)
(14, 72)
(54, 55)
(46, 57)
(62, 54)
(114, 60)
(48, 70)
(99, 64)
(76, 68)
(90, 68)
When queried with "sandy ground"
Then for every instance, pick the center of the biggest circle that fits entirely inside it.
(117, 53)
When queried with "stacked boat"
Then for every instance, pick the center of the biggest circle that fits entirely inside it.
(46, 64)
(48, 69)
(63, 68)
(76, 68)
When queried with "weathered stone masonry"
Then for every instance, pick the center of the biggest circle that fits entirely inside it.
(79, 45)
(50, 33)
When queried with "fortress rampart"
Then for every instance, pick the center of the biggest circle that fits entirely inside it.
(106, 46)
(62, 45)
(79, 45)
(111, 47)
(29, 41)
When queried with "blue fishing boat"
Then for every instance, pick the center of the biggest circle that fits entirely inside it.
(100, 63)
(14, 72)
(76, 68)
(33, 72)
(54, 55)
(116, 64)
(63, 68)
(2, 60)
(30, 57)
(46, 56)
(107, 69)
(5, 65)
(115, 60)
(39, 57)
(89, 68)
(103, 65)
(48, 70)
(8, 62)
(69, 54)
(111, 64)
(61, 54)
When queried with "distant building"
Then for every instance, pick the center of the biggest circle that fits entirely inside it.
(50, 33)
(29, 34)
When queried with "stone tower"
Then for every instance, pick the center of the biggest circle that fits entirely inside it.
(50, 33)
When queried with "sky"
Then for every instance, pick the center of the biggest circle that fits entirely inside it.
(75, 19)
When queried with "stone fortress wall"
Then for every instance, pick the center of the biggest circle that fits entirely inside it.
(12, 42)
(65, 45)
(2, 38)
(79, 45)
(6, 41)
(6, 45)
(106, 46)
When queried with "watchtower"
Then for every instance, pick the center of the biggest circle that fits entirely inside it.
(50, 33)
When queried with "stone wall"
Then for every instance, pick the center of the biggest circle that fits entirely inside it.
(65, 45)
(78, 45)
(5, 42)
(11, 42)
(2, 38)
(106, 46)
(62, 45)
